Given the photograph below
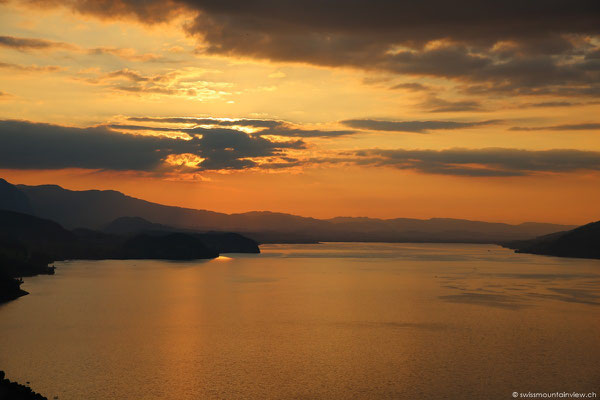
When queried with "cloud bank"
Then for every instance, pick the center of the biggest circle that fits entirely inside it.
(511, 47)
(28, 145)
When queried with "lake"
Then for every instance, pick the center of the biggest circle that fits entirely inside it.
(324, 321)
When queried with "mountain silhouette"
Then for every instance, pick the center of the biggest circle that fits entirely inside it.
(130, 225)
(582, 242)
(95, 209)
(13, 199)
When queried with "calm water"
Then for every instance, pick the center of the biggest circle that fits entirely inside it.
(347, 321)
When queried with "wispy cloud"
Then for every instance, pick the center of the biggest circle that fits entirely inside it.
(185, 82)
(26, 44)
(255, 123)
(413, 126)
(568, 127)
(438, 105)
(264, 127)
(36, 44)
(31, 68)
(486, 162)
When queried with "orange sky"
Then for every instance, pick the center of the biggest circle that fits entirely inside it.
(446, 128)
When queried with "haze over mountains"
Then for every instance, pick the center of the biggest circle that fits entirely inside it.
(94, 209)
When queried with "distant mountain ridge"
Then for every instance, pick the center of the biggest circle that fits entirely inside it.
(94, 209)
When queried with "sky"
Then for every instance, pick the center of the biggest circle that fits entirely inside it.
(386, 109)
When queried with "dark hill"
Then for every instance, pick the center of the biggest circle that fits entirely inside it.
(172, 246)
(37, 234)
(582, 242)
(130, 225)
(228, 242)
(221, 242)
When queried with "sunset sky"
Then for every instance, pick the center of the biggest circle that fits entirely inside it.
(468, 109)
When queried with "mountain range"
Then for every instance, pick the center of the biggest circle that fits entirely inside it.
(97, 209)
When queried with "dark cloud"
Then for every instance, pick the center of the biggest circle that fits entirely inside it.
(571, 127)
(412, 126)
(510, 45)
(400, 21)
(490, 162)
(235, 149)
(27, 145)
(566, 75)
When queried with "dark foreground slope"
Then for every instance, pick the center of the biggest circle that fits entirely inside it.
(14, 391)
(582, 242)
(94, 209)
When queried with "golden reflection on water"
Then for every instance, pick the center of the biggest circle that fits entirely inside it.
(355, 321)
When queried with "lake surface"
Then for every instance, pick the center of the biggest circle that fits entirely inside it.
(328, 321)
